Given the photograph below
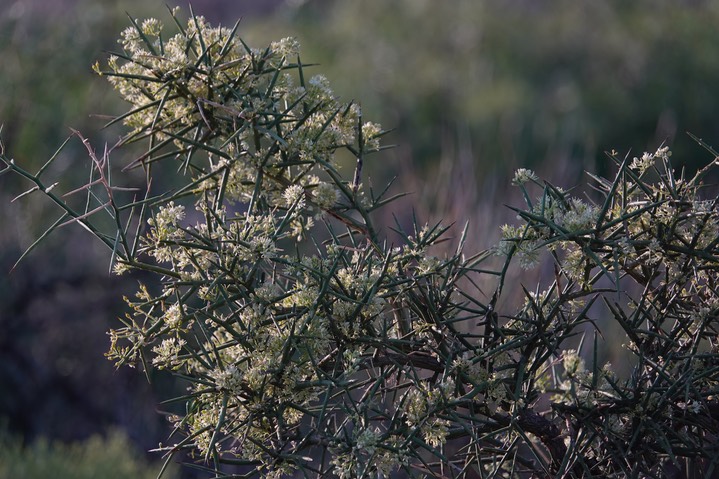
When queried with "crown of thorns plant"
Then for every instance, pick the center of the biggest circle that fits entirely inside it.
(313, 348)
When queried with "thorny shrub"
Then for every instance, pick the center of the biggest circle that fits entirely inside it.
(313, 348)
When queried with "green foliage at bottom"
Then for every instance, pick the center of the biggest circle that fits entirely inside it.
(110, 457)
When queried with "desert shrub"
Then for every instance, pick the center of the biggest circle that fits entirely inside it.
(313, 347)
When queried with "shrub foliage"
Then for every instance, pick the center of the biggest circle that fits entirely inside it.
(314, 348)
(111, 457)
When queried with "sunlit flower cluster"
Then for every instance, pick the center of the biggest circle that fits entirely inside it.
(524, 175)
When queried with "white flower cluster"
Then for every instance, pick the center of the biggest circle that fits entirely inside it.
(325, 195)
(513, 241)
(294, 196)
(579, 216)
(420, 406)
(524, 175)
(167, 353)
(641, 165)
(167, 219)
(573, 363)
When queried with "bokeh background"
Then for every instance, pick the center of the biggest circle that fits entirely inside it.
(473, 90)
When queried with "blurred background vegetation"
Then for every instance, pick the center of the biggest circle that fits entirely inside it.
(474, 90)
(109, 457)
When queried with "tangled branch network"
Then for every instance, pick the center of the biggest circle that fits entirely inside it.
(313, 348)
